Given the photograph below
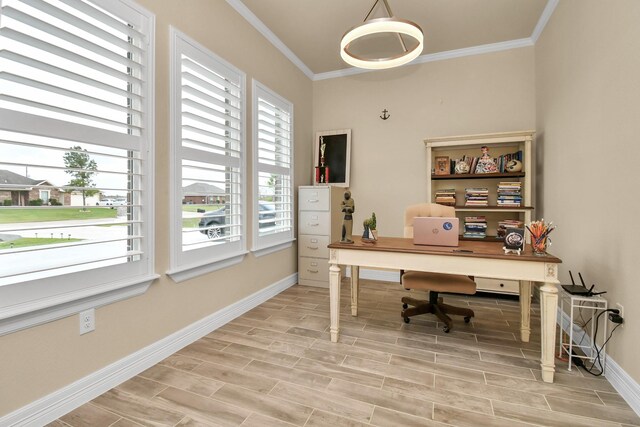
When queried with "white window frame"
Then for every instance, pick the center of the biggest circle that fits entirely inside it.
(29, 303)
(265, 244)
(185, 265)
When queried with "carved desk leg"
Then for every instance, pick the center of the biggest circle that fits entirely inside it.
(548, 315)
(334, 301)
(355, 289)
(525, 310)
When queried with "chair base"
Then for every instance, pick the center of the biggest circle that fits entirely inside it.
(435, 306)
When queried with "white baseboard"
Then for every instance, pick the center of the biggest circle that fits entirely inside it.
(619, 379)
(66, 399)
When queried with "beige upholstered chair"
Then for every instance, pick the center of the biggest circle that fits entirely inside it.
(433, 282)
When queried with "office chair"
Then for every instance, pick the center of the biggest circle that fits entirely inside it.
(433, 282)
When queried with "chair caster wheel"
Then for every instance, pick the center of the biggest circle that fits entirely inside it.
(467, 319)
(407, 320)
(405, 306)
(446, 329)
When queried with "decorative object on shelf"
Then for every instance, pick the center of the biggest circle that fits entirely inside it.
(332, 157)
(322, 171)
(486, 164)
(443, 165)
(390, 26)
(348, 207)
(462, 167)
(513, 166)
(384, 115)
(370, 233)
(514, 241)
(540, 236)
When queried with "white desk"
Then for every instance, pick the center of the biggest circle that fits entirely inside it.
(486, 260)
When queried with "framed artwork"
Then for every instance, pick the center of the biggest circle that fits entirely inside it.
(443, 165)
(332, 158)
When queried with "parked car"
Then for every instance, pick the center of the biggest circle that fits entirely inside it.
(213, 223)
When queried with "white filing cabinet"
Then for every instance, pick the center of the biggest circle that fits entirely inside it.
(319, 223)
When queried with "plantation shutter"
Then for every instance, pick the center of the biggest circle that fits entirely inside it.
(273, 139)
(74, 81)
(209, 154)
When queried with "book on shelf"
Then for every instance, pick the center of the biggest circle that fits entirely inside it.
(475, 227)
(476, 197)
(508, 224)
(446, 197)
(509, 194)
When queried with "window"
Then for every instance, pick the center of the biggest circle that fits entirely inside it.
(82, 71)
(273, 175)
(208, 168)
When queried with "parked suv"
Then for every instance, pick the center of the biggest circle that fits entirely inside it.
(213, 223)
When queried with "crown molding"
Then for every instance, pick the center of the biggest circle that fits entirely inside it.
(440, 56)
(270, 36)
(544, 19)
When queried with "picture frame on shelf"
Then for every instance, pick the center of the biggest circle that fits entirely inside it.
(332, 158)
(442, 165)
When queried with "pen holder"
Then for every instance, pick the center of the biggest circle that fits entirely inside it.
(539, 247)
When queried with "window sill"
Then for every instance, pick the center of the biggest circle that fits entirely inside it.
(183, 273)
(274, 247)
(53, 308)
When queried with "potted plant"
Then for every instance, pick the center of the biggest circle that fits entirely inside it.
(373, 226)
(370, 232)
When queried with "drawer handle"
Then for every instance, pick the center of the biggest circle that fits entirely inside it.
(313, 201)
(312, 271)
(312, 247)
(502, 285)
(313, 224)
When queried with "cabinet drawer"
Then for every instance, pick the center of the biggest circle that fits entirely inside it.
(313, 199)
(497, 285)
(312, 222)
(313, 246)
(313, 269)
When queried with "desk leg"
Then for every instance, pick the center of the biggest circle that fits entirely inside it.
(548, 317)
(525, 310)
(355, 289)
(334, 301)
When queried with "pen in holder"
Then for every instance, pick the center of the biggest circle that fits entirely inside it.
(540, 236)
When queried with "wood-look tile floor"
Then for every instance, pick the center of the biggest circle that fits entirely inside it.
(275, 366)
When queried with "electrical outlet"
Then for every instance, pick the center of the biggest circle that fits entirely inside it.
(621, 308)
(87, 321)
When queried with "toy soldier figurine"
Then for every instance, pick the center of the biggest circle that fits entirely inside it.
(348, 207)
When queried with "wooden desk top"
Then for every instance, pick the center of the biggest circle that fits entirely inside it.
(478, 249)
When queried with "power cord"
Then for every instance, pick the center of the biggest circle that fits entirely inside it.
(614, 316)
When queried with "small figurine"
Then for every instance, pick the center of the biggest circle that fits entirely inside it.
(486, 164)
(348, 207)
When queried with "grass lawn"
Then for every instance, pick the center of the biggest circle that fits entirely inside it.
(41, 213)
(190, 222)
(32, 241)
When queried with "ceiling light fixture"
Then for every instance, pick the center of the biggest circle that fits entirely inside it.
(378, 26)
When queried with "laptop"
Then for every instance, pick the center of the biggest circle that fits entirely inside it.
(435, 231)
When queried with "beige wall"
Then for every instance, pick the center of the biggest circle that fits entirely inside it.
(43, 359)
(588, 92)
(476, 94)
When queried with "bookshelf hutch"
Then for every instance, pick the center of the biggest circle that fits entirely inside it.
(499, 144)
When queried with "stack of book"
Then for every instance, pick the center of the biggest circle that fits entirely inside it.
(475, 227)
(446, 197)
(476, 197)
(510, 194)
(506, 224)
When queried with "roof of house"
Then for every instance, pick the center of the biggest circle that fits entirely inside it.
(16, 182)
(8, 177)
(201, 189)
